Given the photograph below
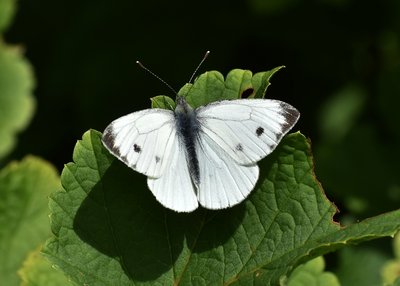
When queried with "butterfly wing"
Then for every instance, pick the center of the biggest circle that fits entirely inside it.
(223, 182)
(143, 140)
(233, 136)
(247, 129)
(174, 189)
(147, 142)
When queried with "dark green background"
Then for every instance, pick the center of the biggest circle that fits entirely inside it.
(337, 52)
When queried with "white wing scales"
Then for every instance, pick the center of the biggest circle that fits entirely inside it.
(223, 182)
(247, 129)
(174, 189)
(143, 140)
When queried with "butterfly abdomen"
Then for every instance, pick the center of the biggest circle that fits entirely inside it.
(187, 127)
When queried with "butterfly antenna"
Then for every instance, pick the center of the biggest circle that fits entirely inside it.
(198, 66)
(156, 76)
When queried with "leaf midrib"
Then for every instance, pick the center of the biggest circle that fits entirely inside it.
(177, 282)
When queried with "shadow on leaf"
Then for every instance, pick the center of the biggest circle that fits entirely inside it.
(121, 219)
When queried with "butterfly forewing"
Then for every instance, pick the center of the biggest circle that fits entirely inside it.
(143, 140)
(247, 129)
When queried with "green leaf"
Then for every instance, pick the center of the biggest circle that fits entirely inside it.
(109, 229)
(7, 11)
(312, 273)
(16, 101)
(211, 86)
(162, 101)
(261, 81)
(37, 270)
(24, 190)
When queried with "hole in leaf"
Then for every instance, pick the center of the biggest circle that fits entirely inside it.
(247, 92)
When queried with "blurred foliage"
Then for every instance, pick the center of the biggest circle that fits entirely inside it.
(360, 266)
(24, 190)
(16, 101)
(16, 85)
(7, 11)
(38, 271)
(312, 274)
(364, 265)
(342, 59)
(24, 185)
(391, 269)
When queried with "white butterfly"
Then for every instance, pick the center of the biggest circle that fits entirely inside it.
(205, 156)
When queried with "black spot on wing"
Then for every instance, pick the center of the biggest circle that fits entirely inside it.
(239, 147)
(108, 139)
(157, 159)
(137, 148)
(247, 92)
(259, 131)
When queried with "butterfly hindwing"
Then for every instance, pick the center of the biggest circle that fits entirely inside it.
(223, 182)
(174, 189)
(247, 129)
(143, 140)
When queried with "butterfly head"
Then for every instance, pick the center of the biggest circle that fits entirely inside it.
(182, 106)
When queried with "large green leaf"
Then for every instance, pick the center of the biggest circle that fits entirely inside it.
(24, 223)
(16, 101)
(109, 229)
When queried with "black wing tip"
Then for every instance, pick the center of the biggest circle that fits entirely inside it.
(108, 140)
(291, 115)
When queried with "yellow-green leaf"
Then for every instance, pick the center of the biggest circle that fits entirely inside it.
(38, 271)
(312, 274)
(16, 101)
(24, 222)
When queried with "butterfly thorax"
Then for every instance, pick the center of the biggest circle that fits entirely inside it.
(188, 126)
